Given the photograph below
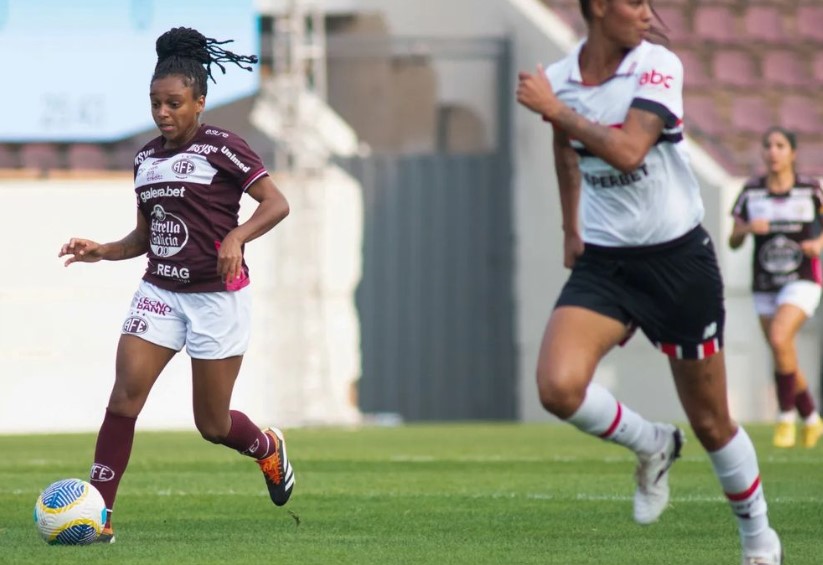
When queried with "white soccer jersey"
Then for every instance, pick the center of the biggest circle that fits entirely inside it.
(660, 200)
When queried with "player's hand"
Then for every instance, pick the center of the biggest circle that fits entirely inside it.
(811, 247)
(81, 250)
(572, 249)
(230, 259)
(759, 226)
(535, 92)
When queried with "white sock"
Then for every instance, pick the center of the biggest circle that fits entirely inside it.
(787, 417)
(603, 416)
(812, 418)
(735, 465)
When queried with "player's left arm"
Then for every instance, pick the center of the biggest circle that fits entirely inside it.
(814, 247)
(272, 208)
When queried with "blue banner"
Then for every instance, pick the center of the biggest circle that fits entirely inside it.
(80, 70)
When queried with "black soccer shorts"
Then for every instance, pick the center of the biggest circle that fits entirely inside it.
(672, 291)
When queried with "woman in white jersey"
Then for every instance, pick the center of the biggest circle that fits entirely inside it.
(639, 258)
(782, 211)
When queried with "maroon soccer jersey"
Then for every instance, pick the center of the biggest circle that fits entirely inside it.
(793, 217)
(190, 197)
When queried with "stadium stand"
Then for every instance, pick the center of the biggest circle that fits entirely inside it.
(733, 51)
(749, 64)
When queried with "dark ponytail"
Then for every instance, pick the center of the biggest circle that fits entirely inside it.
(187, 52)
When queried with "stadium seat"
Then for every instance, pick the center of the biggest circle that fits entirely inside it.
(810, 21)
(702, 116)
(786, 68)
(40, 156)
(752, 114)
(87, 156)
(817, 68)
(734, 68)
(808, 157)
(8, 157)
(801, 114)
(715, 23)
(675, 25)
(694, 68)
(764, 23)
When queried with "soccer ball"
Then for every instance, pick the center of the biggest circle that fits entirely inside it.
(70, 512)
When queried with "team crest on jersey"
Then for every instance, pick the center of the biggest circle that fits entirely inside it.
(183, 167)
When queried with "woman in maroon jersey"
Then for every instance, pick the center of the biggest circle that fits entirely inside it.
(782, 211)
(188, 184)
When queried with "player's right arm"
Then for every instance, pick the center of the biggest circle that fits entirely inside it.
(568, 180)
(134, 244)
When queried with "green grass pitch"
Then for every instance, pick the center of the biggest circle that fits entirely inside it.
(421, 494)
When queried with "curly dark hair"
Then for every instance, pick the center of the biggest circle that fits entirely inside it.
(187, 52)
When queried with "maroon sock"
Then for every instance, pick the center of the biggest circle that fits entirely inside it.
(785, 390)
(804, 403)
(246, 437)
(111, 456)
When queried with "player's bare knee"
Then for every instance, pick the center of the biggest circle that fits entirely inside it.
(558, 397)
(713, 433)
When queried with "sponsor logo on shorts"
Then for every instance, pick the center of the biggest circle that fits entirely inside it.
(135, 325)
(151, 305)
(101, 472)
(710, 330)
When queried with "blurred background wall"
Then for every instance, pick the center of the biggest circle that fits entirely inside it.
(413, 279)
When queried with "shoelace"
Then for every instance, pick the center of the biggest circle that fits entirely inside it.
(271, 467)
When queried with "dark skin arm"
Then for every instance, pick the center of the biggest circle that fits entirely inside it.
(568, 180)
(133, 245)
(623, 148)
(271, 210)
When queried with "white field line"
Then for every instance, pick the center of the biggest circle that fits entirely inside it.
(375, 495)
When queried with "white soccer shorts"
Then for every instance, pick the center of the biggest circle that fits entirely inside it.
(212, 325)
(803, 294)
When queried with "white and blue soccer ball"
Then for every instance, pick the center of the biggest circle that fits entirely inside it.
(70, 512)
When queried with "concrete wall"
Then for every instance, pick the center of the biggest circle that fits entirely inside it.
(59, 326)
(637, 374)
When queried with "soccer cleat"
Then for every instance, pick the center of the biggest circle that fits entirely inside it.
(771, 556)
(652, 475)
(785, 434)
(277, 470)
(812, 433)
(106, 536)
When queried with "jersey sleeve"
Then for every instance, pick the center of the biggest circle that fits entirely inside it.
(660, 86)
(240, 162)
(740, 210)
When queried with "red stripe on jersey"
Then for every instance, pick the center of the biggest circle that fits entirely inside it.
(739, 496)
(615, 423)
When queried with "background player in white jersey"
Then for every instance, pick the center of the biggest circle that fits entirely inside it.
(188, 183)
(782, 210)
(639, 258)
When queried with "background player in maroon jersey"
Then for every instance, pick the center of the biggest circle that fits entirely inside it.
(188, 183)
(782, 211)
(631, 212)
